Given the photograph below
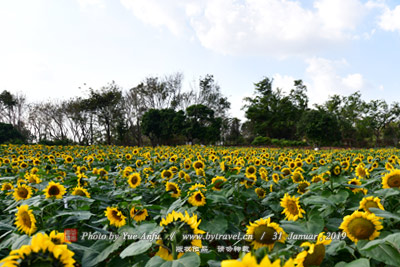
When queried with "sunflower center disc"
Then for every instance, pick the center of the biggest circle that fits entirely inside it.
(116, 216)
(394, 181)
(80, 193)
(54, 191)
(264, 234)
(370, 204)
(361, 228)
(26, 219)
(317, 257)
(292, 207)
(22, 193)
(198, 197)
(134, 180)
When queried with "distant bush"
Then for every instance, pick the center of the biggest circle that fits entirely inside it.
(261, 140)
(57, 142)
(8, 134)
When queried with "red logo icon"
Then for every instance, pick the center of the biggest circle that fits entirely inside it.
(70, 235)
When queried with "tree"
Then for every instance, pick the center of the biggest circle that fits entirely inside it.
(202, 125)
(107, 105)
(273, 114)
(320, 127)
(163, 125)
(9, 134)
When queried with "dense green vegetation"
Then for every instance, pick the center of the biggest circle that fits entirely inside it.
(158, 112)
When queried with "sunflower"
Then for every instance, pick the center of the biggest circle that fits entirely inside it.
(33, 178)
(357, 182)
(370, 202)
(249, 181)
(361, 172)
(80, 191)
(115, 217)
(292, 208)
(58, 238)
(197, 199)
(175, 225)
(174, 188)
(7, 187)
(391, 180)
(361, 226)
(138, 214)
(41, 252)
(285, 172)
(187, 178)
(345, 165)
(260, 192)
(54, 190)
(218, 181)
(297, 177)
(167, 174)
(25, 220)
(198, 164)
(251, 170)
(68, 159)
(22, 192)
(251, 261)
(315, 253)
(336, 170)
(200, 172)
(302, 187)
(134, 180)
(275, 177)
(222, 165)
(197, 186)
(318, 178)
(265, 233)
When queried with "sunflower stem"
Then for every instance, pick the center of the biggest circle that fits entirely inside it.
(174, 255)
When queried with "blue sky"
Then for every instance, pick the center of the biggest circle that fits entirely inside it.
(49, 49)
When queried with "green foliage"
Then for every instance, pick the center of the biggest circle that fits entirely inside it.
(261, 140)
(161, 126)
(319, 127)
(8, 134)
(274, 114)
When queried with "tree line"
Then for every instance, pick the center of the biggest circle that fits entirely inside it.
(158, 112)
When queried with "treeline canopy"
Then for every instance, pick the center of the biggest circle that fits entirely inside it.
(158, 112)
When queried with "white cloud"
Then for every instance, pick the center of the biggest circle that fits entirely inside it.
(284, 82)
(272, 27)
(171, 14)
(88, 3)
(390, 19)
(324, 79)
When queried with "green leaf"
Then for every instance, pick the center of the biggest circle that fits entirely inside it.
(340, 197)
(78, 214)
(176, 205)
(216, 226)
(20, 241)
(136, 248)
(110, 249)
(384, 214)
(91, 254)
(356, 263)
(335, 246)
(4, 226)
(384, 253)
(187, 260)
(315, 224)
(155, 261)
(295, 227)
(317, 200)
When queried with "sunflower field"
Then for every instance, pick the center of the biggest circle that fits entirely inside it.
(198, 206)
